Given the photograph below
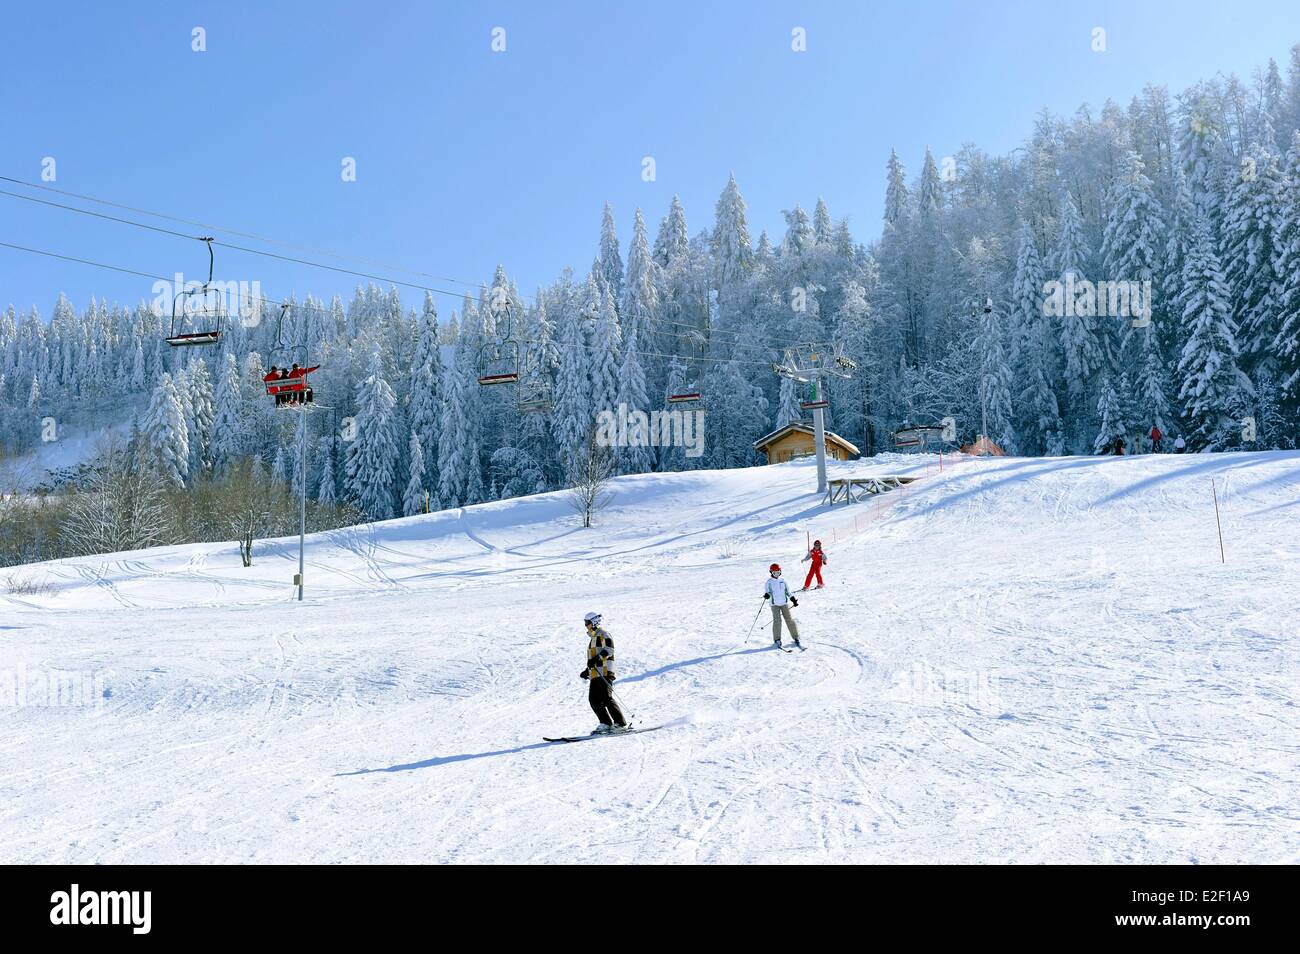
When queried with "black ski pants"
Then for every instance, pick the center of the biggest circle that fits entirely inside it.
(603, 704)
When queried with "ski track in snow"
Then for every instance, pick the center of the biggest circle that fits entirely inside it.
(1015, 660)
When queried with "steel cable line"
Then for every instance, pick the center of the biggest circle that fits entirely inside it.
(232, 247)
(732, 336)
(692, 336)
(241, 234)
(277, 304)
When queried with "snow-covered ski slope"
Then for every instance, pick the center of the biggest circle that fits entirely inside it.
(1014, 660)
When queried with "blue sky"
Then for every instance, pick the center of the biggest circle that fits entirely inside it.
(466, 157)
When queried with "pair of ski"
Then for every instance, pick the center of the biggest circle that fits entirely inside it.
(649, 728)
(602, 735)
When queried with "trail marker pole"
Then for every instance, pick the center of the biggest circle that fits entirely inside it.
(1214, 489)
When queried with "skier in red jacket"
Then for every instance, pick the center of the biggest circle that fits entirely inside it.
(300, 392)
(1156, 438)
(275, 374)
(818, 557)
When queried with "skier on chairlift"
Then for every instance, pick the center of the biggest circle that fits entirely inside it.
(299, 392)
(272, 376)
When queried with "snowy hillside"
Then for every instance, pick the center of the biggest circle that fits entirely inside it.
(1025, 660)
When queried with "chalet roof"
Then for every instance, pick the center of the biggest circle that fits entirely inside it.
(800, 427)
(983, 446)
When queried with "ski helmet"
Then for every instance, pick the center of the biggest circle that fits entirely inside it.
(592, 619)
(774, 568)
(817, 543)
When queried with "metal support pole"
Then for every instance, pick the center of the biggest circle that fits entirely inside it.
(302, 511)
(820, 427)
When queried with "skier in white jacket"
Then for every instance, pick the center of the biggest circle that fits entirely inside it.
(782, 599)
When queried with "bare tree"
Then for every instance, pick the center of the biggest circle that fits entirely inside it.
(259, 506)
(123, 507)
(589, 477)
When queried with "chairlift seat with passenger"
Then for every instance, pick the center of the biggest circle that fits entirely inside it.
(289, 385)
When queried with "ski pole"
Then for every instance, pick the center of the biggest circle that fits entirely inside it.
(621, 704)
(755, 623)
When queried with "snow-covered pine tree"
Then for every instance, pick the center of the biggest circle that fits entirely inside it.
(1071, 251)
(1083, 353)
(897, 198)
(1201, 148)
(798, 240)
(280, 465)
(165, 432)
(465, 416)
(609, 261)
(453, 439)
(639, 456)
(1110, 416)
(788, 410)
(737, 414)
(1250, 219)
(1130, 246)
(605, 347)
(929, 193)
(327, 490)
(672, 241)
(227, 417)
(1039, 416)
(1212, 385)
(1285, 346)
(641, 291)
(823, 228)
(733, 254)
(372, 456)
(427, 384)
(201, 415)
(995, 381)
(1152, 403)
(574, 412)
(413, 496)
(299, 469)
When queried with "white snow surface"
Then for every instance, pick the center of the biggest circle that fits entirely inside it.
(1023, 660)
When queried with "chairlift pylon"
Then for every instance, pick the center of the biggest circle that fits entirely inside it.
(210, 315)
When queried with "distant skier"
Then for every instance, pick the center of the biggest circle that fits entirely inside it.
(1180, 445)
(600, 676)
(1156, 438)
(782, 599)
(818, 557)
(1119, 447)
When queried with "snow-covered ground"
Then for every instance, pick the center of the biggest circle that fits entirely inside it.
(1014, 660)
